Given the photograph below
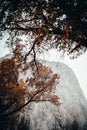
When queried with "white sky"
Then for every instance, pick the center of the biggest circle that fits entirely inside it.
(79, 65)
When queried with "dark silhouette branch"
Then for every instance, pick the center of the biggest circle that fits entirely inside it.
(21, 107)
(5, 107)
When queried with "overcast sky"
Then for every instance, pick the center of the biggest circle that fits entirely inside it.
(79, 65)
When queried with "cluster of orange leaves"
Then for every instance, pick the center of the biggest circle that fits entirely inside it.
(10, 87)
(42, 84)
(40, 87)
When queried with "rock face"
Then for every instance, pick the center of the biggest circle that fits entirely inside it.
(71, 114)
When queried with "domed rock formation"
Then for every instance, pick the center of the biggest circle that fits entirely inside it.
(71, 114)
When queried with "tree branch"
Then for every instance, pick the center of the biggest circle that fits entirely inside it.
(7, 106)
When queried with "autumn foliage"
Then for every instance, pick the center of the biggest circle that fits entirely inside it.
(16, 92)
(11, 89)
(42, 84)
(35, 26)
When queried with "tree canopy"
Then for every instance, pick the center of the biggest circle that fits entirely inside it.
(65, 20)
(35, 26)
(17, 92)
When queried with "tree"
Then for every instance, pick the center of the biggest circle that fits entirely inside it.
(45, 19)
(11, 89)
(16, 93)
(44, 25)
